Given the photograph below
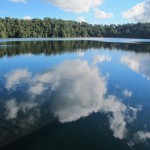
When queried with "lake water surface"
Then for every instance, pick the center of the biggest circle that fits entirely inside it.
(75, 94)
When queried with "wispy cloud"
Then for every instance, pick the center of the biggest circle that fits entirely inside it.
(139, 12)
(101, 58)
(12, 107)
(27, 18)
(138, 63)
(118, 119)
(80, 53)
(14, 77)
(37, 89)
(142, 135)
(134, 112)
(127, 93)
(76, 6)
(99, 14)
(81, 19)
(18, 1)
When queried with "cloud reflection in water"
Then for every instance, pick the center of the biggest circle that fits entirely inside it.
(80, 90)
(76, 90)
(138, 63)
(101, 58)
(15, 77)
(13, 107)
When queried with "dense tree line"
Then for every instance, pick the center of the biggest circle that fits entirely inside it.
(56, 47)
(47, 27)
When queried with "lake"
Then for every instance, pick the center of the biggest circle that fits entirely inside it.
(75, 93)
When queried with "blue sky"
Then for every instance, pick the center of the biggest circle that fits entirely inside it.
(90, 11)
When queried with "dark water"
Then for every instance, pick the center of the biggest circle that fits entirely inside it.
(75, 94)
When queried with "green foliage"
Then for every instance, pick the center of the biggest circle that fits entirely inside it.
(2, 30)
(19, 28)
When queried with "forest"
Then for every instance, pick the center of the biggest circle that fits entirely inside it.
(48, 27)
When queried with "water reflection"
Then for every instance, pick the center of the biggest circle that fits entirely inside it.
(58, 47)
(79, 90)
(143, 135)
(15, 77)
(75, 90)
(101, 58)
(138, 63)
(127, 93)
(12, 107)
(68, 90)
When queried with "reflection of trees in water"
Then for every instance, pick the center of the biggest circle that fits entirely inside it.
(57, 47)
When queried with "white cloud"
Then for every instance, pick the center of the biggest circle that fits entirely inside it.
(23, 106)
(127, 93)
(76, 90)
(138, 63)
(12, 107)
(80, 53)
(81, 94)
(141, 135)
(101, 14)
(18, 1)
(132, 64)
(15, 77)
(101, 58)
(79, 90)
(42, 82)
(37, 89)
(134, 112)
(139, 12)
(27, 18)
(117, 120)
(76, 6)
(118, 125)
(81, 19)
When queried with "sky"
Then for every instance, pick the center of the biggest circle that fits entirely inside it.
(90, 11)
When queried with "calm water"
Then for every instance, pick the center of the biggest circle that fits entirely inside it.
(74, 94)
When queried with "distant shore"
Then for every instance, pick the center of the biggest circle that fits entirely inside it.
(48, 27)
